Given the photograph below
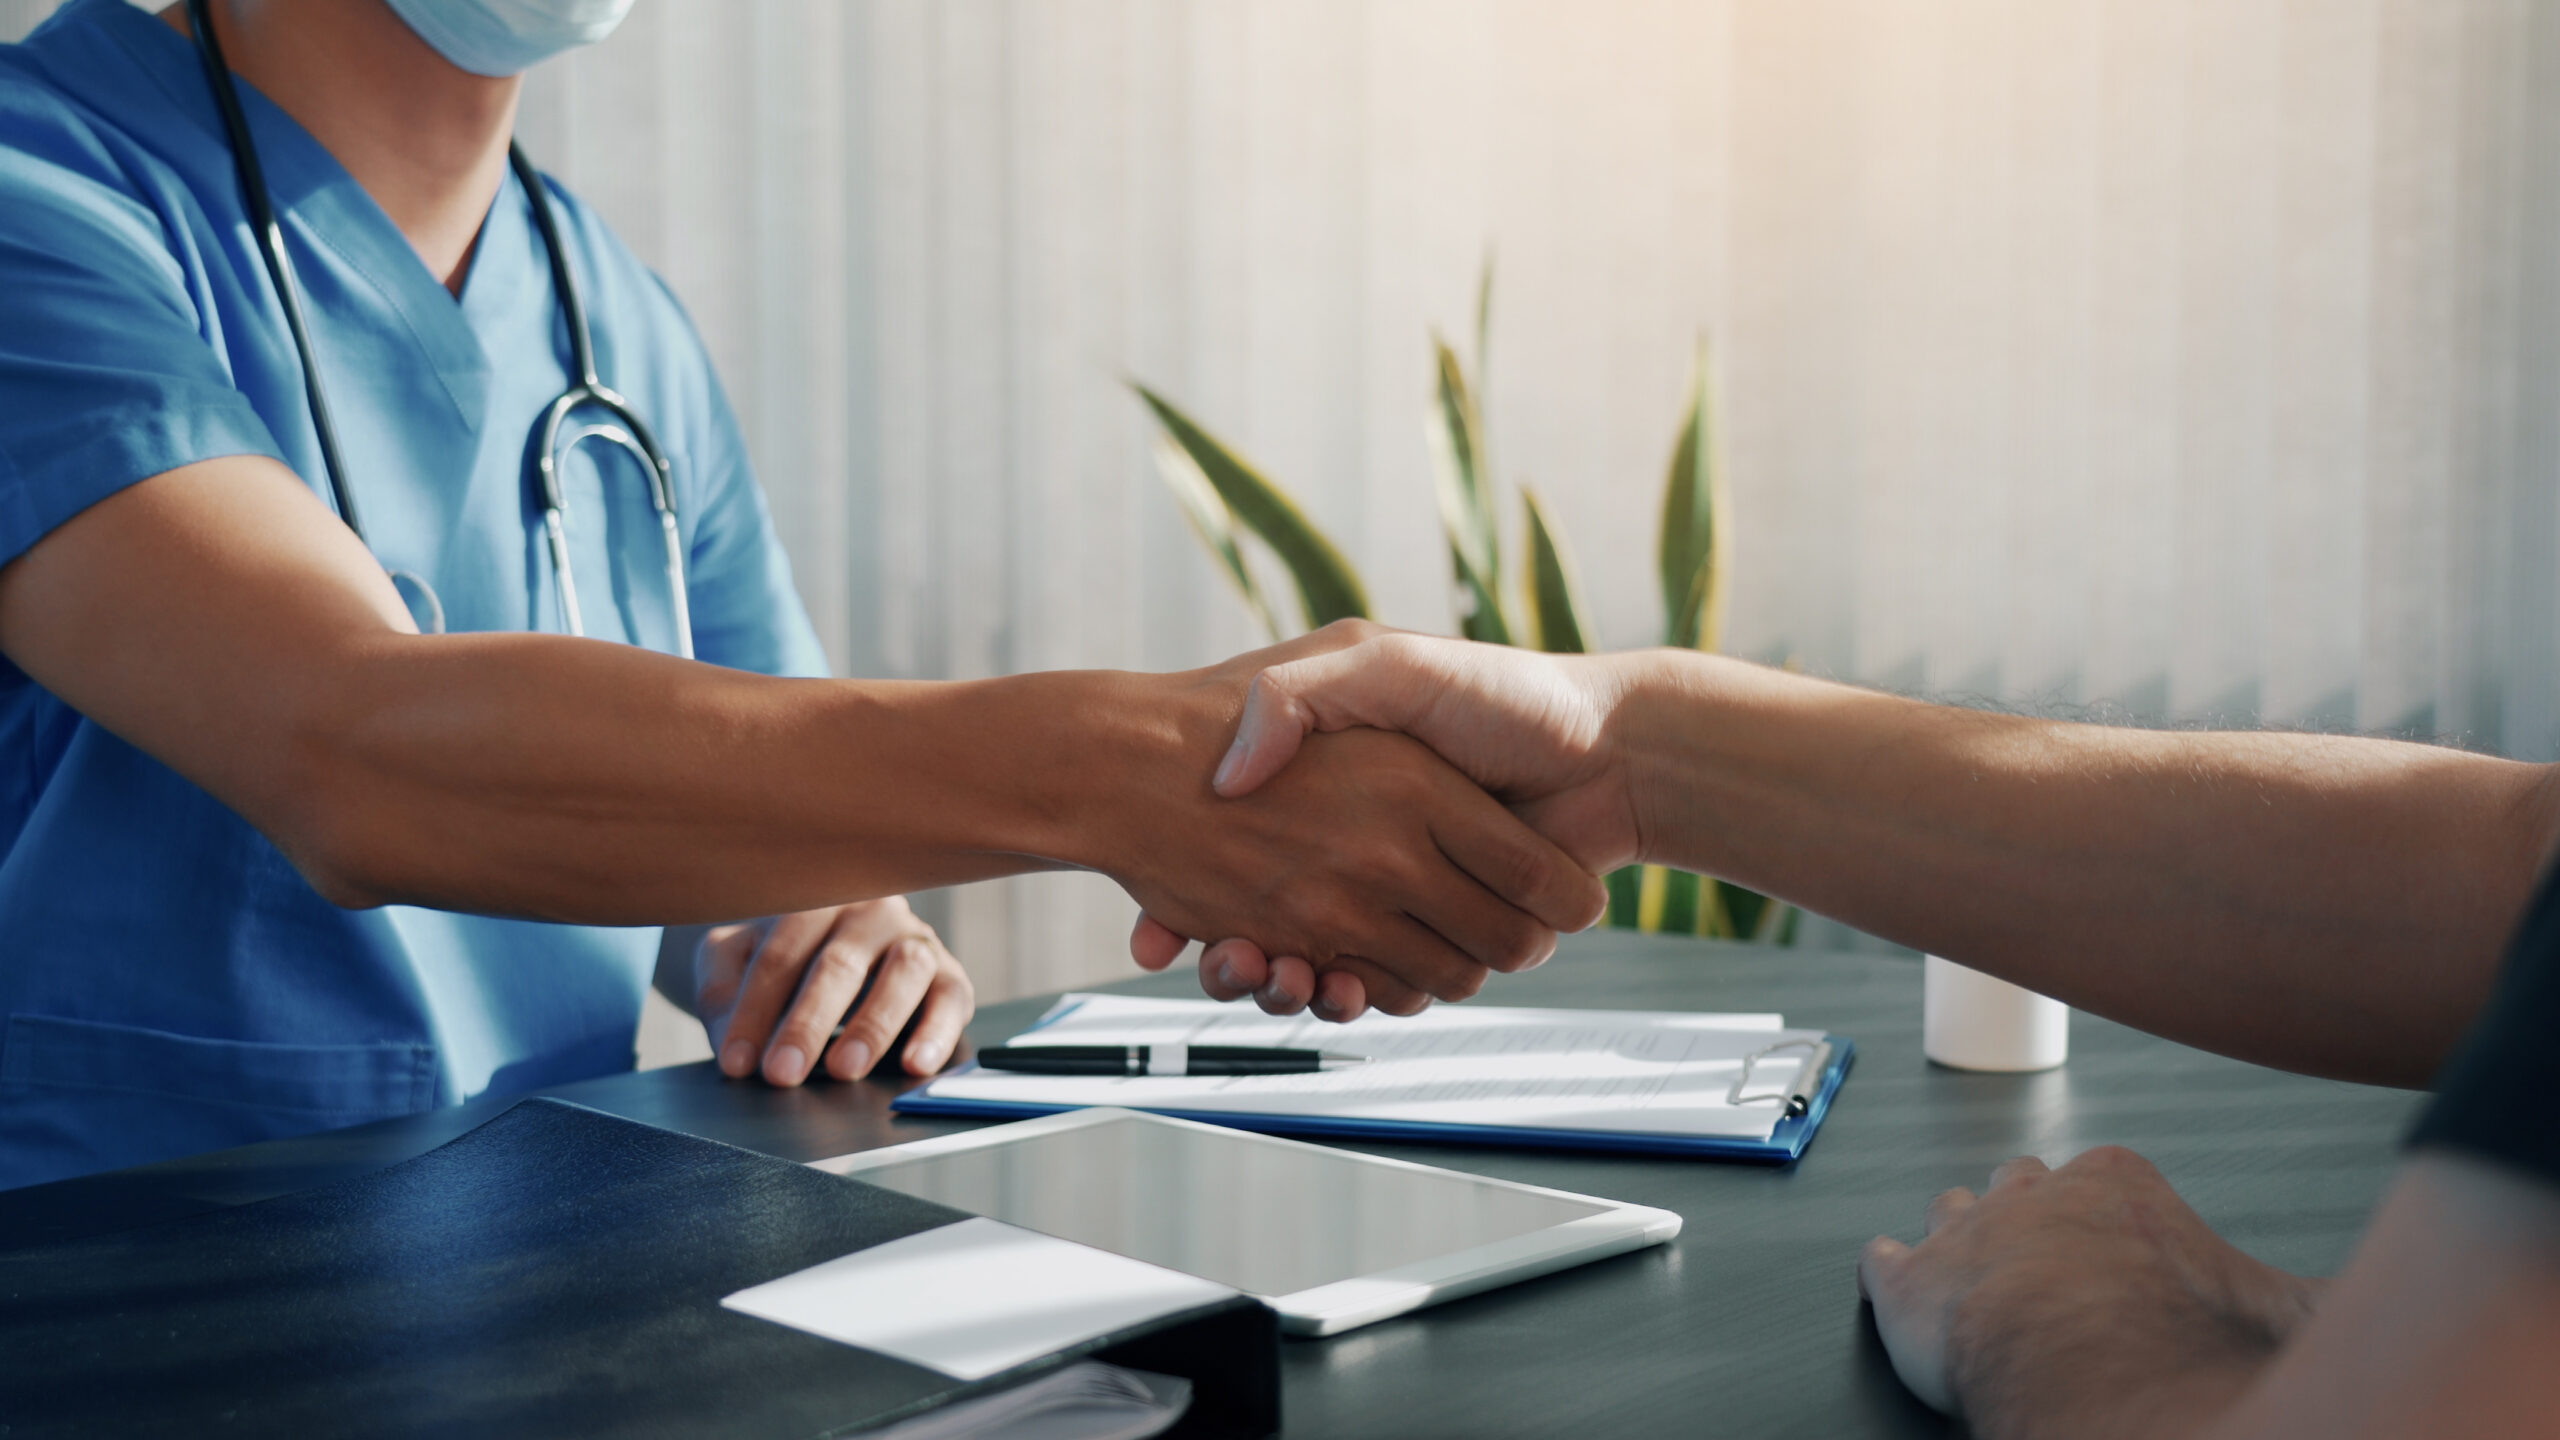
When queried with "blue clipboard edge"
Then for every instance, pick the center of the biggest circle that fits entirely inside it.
(1785, 1145)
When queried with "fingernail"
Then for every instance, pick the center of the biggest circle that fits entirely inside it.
(1230, 977)
(857, 1059)
(1323, 1005)
(738, 1059)
(925, 1060)
(1228, 767)
(787, 1065)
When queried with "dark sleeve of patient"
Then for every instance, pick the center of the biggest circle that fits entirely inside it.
(2499, 1099)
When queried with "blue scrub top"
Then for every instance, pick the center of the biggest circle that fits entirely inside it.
(168, 982)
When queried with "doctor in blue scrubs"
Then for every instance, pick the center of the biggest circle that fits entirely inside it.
(229, 1001)
(352, 757)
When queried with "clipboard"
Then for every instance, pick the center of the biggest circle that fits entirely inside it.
(1792, 1132)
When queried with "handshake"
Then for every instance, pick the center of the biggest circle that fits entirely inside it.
(1416, 813)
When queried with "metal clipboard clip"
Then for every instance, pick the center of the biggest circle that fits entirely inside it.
(1798, 1098)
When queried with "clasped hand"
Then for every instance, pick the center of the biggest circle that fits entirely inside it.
(1376, 858)
(1530, 729)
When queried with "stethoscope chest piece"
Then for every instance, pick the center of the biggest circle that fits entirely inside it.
(424, 605)
(553, 445)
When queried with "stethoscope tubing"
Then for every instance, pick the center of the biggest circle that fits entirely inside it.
(587, 388)
(262, 220)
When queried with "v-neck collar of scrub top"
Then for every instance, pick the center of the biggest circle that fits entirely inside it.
(313, 192)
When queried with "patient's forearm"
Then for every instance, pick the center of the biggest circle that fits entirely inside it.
(2329, 904)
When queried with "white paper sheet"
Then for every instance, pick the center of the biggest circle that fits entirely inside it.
(1638, 1071)
(973, 1297)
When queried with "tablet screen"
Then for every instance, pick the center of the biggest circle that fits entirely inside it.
(1264, 1217)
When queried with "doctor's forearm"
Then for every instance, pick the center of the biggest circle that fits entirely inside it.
(221, 618)
(541, 776)
(2330, 904)
(572, 780)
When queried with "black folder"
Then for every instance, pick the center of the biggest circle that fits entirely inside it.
(557, 1272)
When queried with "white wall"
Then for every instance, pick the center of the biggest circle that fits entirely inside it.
(2185, 359)
(2188, 360)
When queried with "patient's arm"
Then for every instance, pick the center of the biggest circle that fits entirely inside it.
(2324, 903)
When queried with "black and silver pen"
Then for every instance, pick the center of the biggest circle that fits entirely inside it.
(1174, 1059)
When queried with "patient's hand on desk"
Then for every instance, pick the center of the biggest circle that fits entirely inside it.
(2084, 1301)
(771, 992)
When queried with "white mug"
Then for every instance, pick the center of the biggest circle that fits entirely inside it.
(1971, 1021)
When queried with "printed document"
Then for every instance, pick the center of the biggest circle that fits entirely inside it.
(1639, 1071)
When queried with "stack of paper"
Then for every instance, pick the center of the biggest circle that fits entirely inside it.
(1626, 1071)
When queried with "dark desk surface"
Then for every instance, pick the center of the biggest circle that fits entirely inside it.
(1749, 1324)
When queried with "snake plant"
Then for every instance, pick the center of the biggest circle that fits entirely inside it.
(1223, 495)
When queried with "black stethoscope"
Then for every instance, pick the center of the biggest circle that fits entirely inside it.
(553, 439)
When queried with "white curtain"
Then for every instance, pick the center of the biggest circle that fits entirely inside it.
(2174, 360)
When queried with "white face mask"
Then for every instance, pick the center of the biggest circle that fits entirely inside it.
(508, 37)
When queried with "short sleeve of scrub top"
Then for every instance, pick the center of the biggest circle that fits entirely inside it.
(168, 982)
(113, 357)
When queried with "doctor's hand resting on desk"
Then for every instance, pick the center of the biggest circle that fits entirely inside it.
(771, 992)
(2332, 905)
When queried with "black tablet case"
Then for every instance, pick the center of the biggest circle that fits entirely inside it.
(557, 1272)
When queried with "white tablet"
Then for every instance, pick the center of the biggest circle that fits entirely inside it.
(1331, 1239)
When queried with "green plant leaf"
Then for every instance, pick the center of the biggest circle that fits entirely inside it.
(1214, 523)
(1483, 619)
(1550, 610)
(1756, 916)
(1710, 922)
(1455, 430)
(1328, 588)
(1626, 896)
(1697, 533)
(1656, 899)
(1742, 909)
(1484, 322)
(1679, 913)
